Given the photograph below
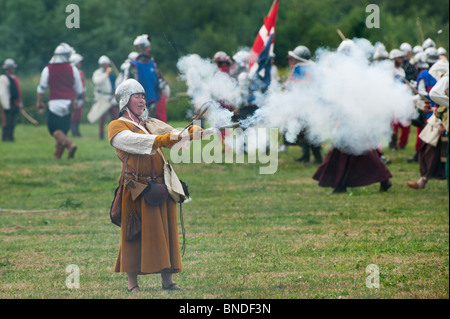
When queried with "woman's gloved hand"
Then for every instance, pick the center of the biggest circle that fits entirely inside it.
(166, 140)
(195, 131)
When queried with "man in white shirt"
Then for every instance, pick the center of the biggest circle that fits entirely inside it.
(64, 84)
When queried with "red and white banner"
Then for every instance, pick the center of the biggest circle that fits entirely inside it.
(264, 34)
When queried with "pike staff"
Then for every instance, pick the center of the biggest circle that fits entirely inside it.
(28, 116)
(341, 35)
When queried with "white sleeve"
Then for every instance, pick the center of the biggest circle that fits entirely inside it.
(439, 92)
(78, 85)
(421, 88)
(43, 83)
(134, 143)
(4, 92)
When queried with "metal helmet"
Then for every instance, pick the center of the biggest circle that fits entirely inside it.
(141, 42)
(442, 51)
(428, 43)
(406, 47)
(346, 47)
(133, 55)
(417, 49)
(103, 60)
(62, 53)
(421, 61)
(380, 54)
(125, 90)
(396, 53)
(242, 57)
(300, 53)
(9, 63)
(221, 56)
(75, 59)
(432, 55)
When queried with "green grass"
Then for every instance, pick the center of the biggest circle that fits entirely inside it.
(248, 235)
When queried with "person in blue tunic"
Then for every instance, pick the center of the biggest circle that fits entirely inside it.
(301, 64)
(145, 71)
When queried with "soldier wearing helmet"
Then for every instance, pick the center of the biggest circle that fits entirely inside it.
(442, 53)
(104, 81)
(300, 62)
(144, 69)
(223, 61)
(425, 82)
(64, 83)
(410, 70)
(428, 43)
(137, 143)
(397, 57)
(10, 99)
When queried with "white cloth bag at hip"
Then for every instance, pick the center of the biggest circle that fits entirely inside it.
(430, 133)
(172, 181)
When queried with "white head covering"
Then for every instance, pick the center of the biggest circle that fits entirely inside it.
(75, 58)
(125, 90)
(442, 51)
(62, 54)
(9, 63)
(141, 42)
(103, 60)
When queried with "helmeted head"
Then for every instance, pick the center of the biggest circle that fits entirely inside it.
(432, 55)
(242, 57)
(396, 53)
(406, 47)
(380, 54)
(428, 43)
(8, 64)
(132, 55)
(442, 51)
(300, 53)
(223, 61)
(62, 53)
(347, 47)
(221, 57)
(417, 49)
(75, 59)
(125, 90)
(397, 56)
(141, 43)
(104, 60)
(421, 61)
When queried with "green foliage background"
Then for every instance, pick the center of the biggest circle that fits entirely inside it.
(30, 30)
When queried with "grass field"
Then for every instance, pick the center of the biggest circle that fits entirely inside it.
(248, 235)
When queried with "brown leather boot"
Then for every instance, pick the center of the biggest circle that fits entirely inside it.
(420, 184)
(59, 147)
(64, 141)
(71, 147)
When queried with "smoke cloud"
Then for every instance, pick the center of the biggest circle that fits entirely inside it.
(347, 100)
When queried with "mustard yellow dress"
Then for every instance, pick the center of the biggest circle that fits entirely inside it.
(158, 249)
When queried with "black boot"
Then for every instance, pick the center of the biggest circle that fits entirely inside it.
(305, 152)
(393, 143)
(317, 152)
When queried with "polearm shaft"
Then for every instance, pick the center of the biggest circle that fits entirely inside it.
(28, 117)
(26, 211)
(341, 35)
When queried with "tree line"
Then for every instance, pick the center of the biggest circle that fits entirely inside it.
(30, 30)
